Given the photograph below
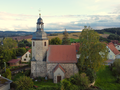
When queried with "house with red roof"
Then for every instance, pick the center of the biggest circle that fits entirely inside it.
(14, 62)
(26, 56)
(53, 61)
(113, 52)
(116, 44)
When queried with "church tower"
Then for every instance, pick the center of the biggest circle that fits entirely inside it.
(39, 50)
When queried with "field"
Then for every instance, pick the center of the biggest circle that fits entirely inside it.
(71, 35)
(104, 35)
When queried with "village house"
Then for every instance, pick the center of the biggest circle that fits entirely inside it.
(4, 83)
(53, 61)
(116, 44)
(26, 56)
(14, 62)
(113, 52)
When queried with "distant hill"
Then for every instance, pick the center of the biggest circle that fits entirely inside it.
(22, 33)
(109, 31)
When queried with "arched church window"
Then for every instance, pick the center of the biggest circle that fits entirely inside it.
(33, 43)
(44, 43)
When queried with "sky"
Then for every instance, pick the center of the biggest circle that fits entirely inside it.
(22, 15)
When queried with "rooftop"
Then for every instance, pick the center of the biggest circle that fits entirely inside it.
(61, 54)
(14, 61)
(113, 49)
(4, 81)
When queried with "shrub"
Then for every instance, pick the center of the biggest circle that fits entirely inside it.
(118, 79)
(80, 80)
(116, 66)
(24, 83)
(65, 84)
(8, 73)
(90, 73)
(27, 73)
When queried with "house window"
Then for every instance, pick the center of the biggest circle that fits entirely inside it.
(24, 59)
(29, 55)
(33, 43)
(44, 43)
(117, 46)
(26, 55)
(109, 50)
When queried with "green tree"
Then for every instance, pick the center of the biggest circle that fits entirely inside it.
(20, 51)
(65, 40)
(9, 43)
(24, 83)
(24, 43)
(8, 73)
(55, 41)
(7, 51)
(116, 67)
(93, 53)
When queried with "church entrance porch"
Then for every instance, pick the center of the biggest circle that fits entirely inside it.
(59, 73)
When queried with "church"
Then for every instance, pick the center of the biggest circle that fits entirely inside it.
(54, 61)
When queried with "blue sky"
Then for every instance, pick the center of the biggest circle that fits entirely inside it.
(22, 15)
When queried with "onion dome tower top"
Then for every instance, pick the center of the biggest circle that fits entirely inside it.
(40, 34)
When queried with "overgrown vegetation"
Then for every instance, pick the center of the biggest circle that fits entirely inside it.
(24, 43)
(24, 83)
(106, 80)
(55, 41)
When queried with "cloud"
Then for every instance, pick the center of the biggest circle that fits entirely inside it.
(11, 16)
(21, 22)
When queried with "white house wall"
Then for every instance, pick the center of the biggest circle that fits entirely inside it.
(111, 55)
(117, 47)
(24, 58)
(5, 87)
(117, 57)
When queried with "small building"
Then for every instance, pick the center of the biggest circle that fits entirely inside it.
(113, 52)
(14, 62)
(26, 56)
(4, 83)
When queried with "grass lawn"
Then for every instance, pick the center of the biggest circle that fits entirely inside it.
(48, 83)
(106, 81)
(74, 40)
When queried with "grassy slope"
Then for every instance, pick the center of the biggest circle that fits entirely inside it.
(106, 81)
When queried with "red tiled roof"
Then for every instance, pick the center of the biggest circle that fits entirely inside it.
(29, 50)
(77, 46)
(61, 54)
(59, 66)
(113, 49)
(114, 41)
(14, 61)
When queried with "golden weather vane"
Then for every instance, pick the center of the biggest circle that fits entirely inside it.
(39, 13)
